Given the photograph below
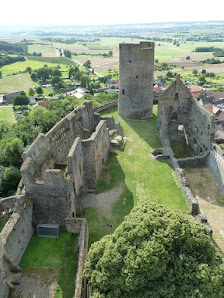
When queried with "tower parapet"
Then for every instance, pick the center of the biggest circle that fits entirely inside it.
(136, 65)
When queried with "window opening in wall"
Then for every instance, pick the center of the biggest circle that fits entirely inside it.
(122, 91)
(73, 214)
(136, 77)
(129, 61)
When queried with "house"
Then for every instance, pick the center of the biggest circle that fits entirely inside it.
(80, 92)
(216, 95)
(10, 96)
(33, 100)
(216, 111)
(46, 84)
(204, 101)
(195, 91)
(43, 103)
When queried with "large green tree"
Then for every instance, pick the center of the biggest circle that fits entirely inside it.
(155, 252)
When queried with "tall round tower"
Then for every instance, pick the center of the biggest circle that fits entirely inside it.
(136, 80)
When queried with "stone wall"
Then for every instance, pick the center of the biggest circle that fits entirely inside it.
(17, 232)
(7, 204)
(14, 239)
(75, 165)
(195, 161)
(215, 163)
(136, 66)
(80, 289)
(179, 112)
(95, 151)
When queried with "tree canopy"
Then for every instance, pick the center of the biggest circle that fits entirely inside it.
(155, 252)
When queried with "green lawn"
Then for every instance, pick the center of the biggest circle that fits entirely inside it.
(7, 114)
(142, 177)
(15, 83)
(50, 252)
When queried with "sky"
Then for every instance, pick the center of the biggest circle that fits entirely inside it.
(94, 12)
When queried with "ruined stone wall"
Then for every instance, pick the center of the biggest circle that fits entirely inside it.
(14, 239)
(17, 232)
(200, 128)
(215, 163)
(80, 289)
(176, 109)
(75, 165)
(7, 204)
(95, 151)
(50, 210)
(136, 66)
(196, 161)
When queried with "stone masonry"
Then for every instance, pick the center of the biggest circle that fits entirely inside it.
(136, 68)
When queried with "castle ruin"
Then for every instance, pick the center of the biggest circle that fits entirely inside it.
(136, 66)
(58, 169)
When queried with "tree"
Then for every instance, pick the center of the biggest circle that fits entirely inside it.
(55, 80)
(67, 53)
(31, 92)
(21, 99)
(188, 58)
(13, 151)
(57, 72)
(155, 252)
(203, 71)
(87, 64)
(0, 74)
(39, 90)
(9, 179)
(33, 76)
(194, 72)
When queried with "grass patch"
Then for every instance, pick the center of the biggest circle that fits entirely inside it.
(50, 252)
(180, 149)
(52, 60)
(142, 177)
(15, 83)
(7, 114)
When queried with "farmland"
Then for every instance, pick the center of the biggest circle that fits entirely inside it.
(7, 114)
(15, 83)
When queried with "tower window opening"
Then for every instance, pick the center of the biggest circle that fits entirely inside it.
(122, 91)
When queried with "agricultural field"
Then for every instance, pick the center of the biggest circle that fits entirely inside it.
(15, 83)
(7, 114)
(46, 50)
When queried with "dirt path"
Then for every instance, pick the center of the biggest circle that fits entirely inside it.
(38, 282)
(104, 201)
(211, 201)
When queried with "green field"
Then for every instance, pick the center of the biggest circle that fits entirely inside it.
(15, 83)
(7, 114)
(46, 51)
(50, 252)
(141, 176)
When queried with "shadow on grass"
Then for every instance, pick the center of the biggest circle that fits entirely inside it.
(112, 176)
(54, 253)
(146, 129)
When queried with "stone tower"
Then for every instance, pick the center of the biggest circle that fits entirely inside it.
(136, 80)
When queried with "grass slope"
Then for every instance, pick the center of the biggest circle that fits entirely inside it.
(7, 114)
(15, 83)
(142, 177)
(50, 252)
